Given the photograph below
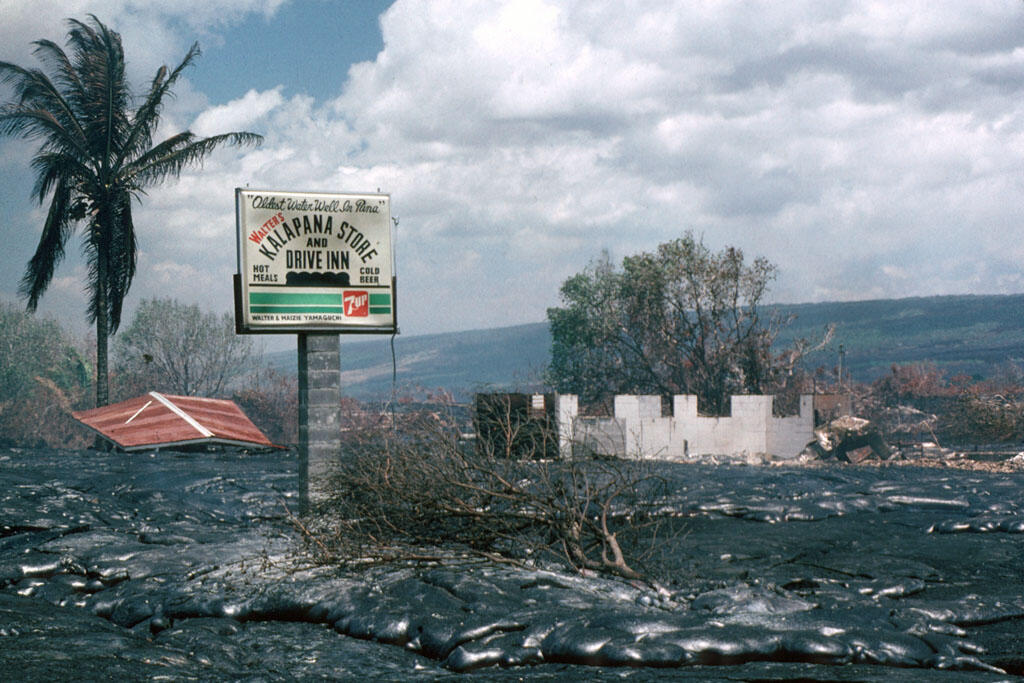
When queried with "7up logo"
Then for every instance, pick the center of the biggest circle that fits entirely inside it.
(355, 304)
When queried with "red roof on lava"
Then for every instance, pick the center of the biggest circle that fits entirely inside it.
(162, 420)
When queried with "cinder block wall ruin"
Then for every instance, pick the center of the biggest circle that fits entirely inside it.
(639, 430)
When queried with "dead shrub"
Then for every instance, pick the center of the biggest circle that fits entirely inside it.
(976, 418)
(272, 404)
(41, 417)
(407, 493)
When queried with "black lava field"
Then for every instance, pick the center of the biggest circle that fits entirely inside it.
(176, 566)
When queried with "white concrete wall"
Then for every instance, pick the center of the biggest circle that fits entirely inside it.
(567, 407)
(790, 434)
(640, 431)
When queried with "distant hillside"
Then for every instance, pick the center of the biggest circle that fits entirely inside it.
(970, 334)
(506, 358)
(960, 334)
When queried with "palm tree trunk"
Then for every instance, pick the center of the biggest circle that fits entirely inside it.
(102, 329)
(102, 381)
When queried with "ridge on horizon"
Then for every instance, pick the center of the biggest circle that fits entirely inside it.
(969, 333)
(785, 305)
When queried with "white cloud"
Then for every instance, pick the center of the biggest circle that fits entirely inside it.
(542, 133)
(869, 149)
(238, 115)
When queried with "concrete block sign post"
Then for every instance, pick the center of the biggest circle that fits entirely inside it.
(319, 413)
(317, 265)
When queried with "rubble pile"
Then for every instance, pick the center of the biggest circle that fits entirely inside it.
(847, 439)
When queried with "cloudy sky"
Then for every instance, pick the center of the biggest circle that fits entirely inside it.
(868, 149)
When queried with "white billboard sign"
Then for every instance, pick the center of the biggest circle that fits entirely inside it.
(314, 261)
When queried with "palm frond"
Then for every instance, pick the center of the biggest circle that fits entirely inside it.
(170, 157)
(147, 116)
(63, 71)
(96, 248)
(52, 167)
(144, 122)
(98, 57)
(41, 108)
(50, 251)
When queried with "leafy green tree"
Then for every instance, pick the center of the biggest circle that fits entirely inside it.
(681, 320)
(96, 154)
(174, 347)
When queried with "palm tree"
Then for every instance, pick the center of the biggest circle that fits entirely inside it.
(95, 156)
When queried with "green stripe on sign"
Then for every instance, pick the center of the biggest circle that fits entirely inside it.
(293, 299)
(295, 309)
(311, 302)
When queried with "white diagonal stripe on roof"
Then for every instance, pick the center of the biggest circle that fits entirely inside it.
(181, 413)
(136, 413)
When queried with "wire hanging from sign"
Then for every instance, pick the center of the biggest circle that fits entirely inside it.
(394, 361)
